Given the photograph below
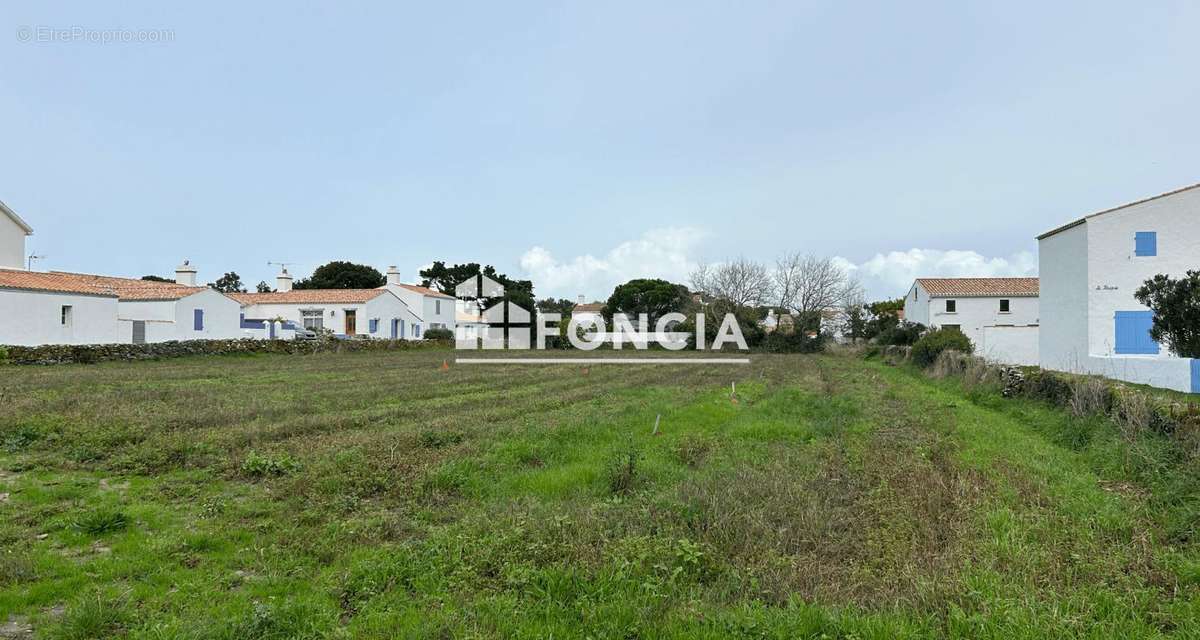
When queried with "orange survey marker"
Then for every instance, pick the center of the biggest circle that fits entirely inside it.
(445, 365)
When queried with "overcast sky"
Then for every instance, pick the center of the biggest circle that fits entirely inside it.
(588, 143)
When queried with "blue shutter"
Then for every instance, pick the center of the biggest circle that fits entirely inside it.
(416, 331)
(1195, 375)
(1133, 333)
(373, 325)
(1145, 243)
(198, 319)
(395, 328)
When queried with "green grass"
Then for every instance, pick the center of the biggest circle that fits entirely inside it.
(374, 495)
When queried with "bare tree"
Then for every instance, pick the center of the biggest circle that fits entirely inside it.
(741, 282)
(809, 284)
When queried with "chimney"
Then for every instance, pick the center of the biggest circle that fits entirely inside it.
(283, 282)
(581, 298)
(185, 274)
(393, 276)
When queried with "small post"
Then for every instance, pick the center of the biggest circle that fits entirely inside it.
(733, 392)
(656, 419)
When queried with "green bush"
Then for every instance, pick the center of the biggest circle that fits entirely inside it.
(901, 335)
(439, 333)
(793, 342)
(927, 349)
(3, 355)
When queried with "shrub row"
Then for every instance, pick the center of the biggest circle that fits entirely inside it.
(1133, 410)
(92, 353)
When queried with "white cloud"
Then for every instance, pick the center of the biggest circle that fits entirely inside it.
(658, 253)
(889, 275)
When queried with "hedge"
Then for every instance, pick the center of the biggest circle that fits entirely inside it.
(92, 353)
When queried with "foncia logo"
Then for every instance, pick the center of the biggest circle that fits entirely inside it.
(506, 325)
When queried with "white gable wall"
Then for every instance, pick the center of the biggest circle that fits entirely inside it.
(974, 315)
(12, 244)
(31, 318)
(175, 319)
(1063, 289)
(1114, 272)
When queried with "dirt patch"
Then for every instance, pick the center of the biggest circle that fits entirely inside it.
(16, 628)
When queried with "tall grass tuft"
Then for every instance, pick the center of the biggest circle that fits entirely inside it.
(1089, 396)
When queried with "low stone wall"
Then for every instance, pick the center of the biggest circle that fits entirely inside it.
(87, 354)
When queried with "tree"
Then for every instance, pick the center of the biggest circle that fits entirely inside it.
(739, 282)
(561, 306)
(263, 287)
(157, 279)
(1176, 307)
(883, 316)
(445, 279)
(229, 283)
(342, 275)
(653, 297)
(806, 283)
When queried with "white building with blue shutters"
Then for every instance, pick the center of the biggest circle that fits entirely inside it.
(1089, 270)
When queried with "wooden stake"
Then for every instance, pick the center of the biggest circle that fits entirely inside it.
(733, 392)
(445, 365)
(656, 419)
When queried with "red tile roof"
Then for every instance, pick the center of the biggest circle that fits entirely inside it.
(133, 289)
(426, 291)
(310, 296)
(1084, 219)
(980, 287)
(57, 282)
(591, 307)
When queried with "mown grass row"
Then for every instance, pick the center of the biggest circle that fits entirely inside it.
(376, 496)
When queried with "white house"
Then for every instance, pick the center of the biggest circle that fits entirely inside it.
(1090, 269)
(999, 315)
(150, 311)
(12, 239)
(371, 313)
(47, 308)
(435, 309)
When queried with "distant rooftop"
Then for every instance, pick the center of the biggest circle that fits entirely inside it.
(980, 287)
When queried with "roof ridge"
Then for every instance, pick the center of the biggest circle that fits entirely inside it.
(1085, 218)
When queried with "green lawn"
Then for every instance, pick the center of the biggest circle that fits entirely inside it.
(375, 495)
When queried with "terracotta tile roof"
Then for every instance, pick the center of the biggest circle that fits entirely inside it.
(980, 287)
(133, 289)
(1084, 219)
(426, 291)
(591, 307)
(310, 296)
(57, 282)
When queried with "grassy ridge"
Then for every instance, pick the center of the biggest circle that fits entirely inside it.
(374, 495)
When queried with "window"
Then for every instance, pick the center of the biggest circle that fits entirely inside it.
(313, 319)
(1145, 243)
(198, 319)
(951, 306)
(1004, 306)
(437, 307)
(66, 315)
(416, 331)
(437, 325)
(952, 327)
(373, 325)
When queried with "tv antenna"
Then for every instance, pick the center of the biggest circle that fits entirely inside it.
(282, 265)
(32, 257)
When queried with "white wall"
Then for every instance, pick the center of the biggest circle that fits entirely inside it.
(385, 308)
(175, 320)
(12, 244)
(427, 307)
(31, 318)
(972, 315)
(1009, 345)
(1114, 272)
(1063, 289)
(916, 305)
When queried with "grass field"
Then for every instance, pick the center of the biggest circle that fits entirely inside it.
(378, 496)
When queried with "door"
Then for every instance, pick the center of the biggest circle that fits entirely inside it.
(351, 320)
(395, 328)
(139, 332)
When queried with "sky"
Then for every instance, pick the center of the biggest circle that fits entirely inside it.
(585, 144)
